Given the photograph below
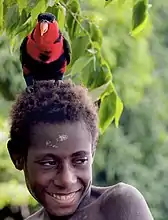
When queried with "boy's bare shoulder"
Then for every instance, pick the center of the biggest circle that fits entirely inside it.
(120, 202)
(39, 215)
(123, 201)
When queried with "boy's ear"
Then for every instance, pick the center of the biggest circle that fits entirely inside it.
(17, 159)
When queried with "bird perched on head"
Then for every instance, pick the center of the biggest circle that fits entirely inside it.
(44, 53)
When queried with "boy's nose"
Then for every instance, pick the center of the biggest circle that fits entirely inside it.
(66, 178)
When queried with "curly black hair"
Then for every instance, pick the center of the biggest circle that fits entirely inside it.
(51, 103)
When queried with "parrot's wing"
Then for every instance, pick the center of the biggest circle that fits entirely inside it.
(67, 50)
(23, 50)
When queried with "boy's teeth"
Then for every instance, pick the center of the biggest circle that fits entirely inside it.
(65, 197)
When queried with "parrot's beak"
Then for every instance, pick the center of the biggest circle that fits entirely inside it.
(43, 28)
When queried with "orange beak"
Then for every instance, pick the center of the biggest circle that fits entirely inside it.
(43, 28)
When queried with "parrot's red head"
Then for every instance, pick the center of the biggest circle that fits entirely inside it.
(46, 30)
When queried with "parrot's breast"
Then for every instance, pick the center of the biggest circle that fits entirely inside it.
(45, 53)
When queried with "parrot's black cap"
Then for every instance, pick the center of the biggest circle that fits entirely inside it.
(46, 17)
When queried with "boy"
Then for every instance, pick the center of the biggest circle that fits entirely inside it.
(54, 130)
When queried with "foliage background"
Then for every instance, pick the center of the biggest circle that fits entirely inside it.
(137, 151)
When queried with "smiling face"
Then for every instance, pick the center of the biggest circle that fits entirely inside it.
(58, 168)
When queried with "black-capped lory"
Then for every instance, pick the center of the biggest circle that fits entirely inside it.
(44, 53)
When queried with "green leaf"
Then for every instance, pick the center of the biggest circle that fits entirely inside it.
(121, 2)
(97, 73)
(80, 64)
(25, 27)
(39, 8)
(79, 46)
(23, 17)
(61, 17)
(74, 6)
(32, 3)
(22, 5)
(107, 109)
(86, 25)
(96, 34)
(139, 16)
(73, 18)
(107, 2)
(51, 3)
(54, 9)
(111, 107)
(1, 14)
(97, 92)
(10, 23)
(119, 110)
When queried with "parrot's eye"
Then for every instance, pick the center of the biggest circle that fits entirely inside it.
(44, 21)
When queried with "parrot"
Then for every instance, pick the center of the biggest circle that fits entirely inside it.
(44, 53)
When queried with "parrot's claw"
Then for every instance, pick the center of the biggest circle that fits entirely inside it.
(29, 89)
(34, 82)
(58, 82)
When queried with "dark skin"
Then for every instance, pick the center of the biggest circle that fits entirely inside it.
(58, 173)
(60, 166)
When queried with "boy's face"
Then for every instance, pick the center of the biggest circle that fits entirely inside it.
(58, 169)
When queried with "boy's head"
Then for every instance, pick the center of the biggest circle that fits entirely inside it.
(53, 137)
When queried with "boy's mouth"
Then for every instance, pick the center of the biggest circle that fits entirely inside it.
(65, 198)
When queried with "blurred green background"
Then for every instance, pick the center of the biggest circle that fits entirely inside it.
(137, 151)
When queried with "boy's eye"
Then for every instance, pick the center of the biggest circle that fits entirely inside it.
(48, 163)
(80, 161)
